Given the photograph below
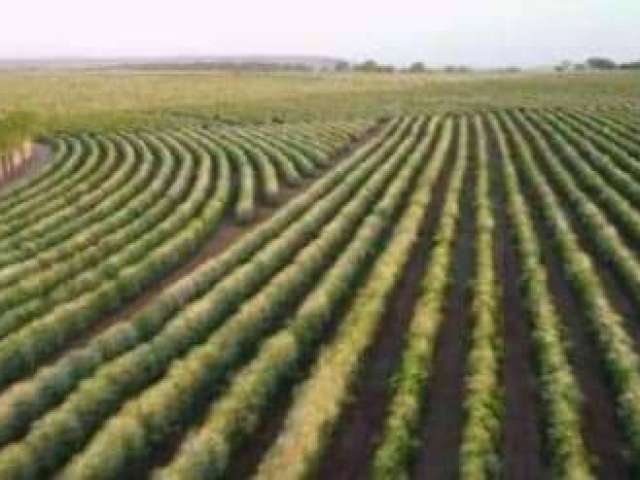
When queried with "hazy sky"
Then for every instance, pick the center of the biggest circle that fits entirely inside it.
(476, 32)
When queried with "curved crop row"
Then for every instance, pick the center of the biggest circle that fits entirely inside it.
(72, 215)
(96, 242)
(74, 201)
(58, 168)
(287, 170)
(51, 245)
(154, 255)
(304, 165)
(277, 240)
(22, 187)
(189, 329)
(207, 452)
(246, 175)
(269, 184)
(74, 169)
(85, 271)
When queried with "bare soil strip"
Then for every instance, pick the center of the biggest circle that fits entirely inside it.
(40, 155)
(600, 429)
(522, 435)
(351, 450)
(441, 431)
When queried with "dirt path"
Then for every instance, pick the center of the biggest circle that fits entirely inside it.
(600, 429)
(40, 155)
(350, 451)
(522, 432)
(441, 430)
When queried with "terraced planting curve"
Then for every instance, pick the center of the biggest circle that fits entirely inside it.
(450, 295)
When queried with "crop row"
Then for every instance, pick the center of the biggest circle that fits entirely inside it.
(617, 348)
(153, 319)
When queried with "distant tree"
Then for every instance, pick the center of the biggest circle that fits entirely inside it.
(564, 66)
(342, 66)
(367, 66)
(579, 67)
(417, 67)
(373, 66)
(630, 66)
(601, 63)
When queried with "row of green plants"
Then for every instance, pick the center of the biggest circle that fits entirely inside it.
(107, 217)
(125, 275)
(53, 184)
(94, 241)
(205, 366)
(583, 142)
(305, 165)
(193, 335)
(484, 403)
(269, 184)
(287, 170)
(120, 170)
(561, 396)
(601, 233)
(305, 137)
(317, 404)
(609, 144)
(320, 157)
(247, 181)
(618, 129)
(26, 401)
(66, 281)
(98, 167)
(398, 444)
(78, 234)
(617, 349)
(603, 187)
(236, 415)
(327, 135)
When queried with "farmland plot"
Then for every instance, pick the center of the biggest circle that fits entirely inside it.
(444, 295)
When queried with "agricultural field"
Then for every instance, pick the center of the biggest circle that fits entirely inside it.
(418, 278)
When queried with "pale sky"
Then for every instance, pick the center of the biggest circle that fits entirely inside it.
(473, 32)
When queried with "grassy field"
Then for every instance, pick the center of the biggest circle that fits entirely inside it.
(82, 99)
(289, 276)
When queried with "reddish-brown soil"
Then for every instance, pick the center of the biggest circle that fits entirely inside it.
(600, 429)
(441, 430)
(40, 155)
(522, 428)
(350, 451)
